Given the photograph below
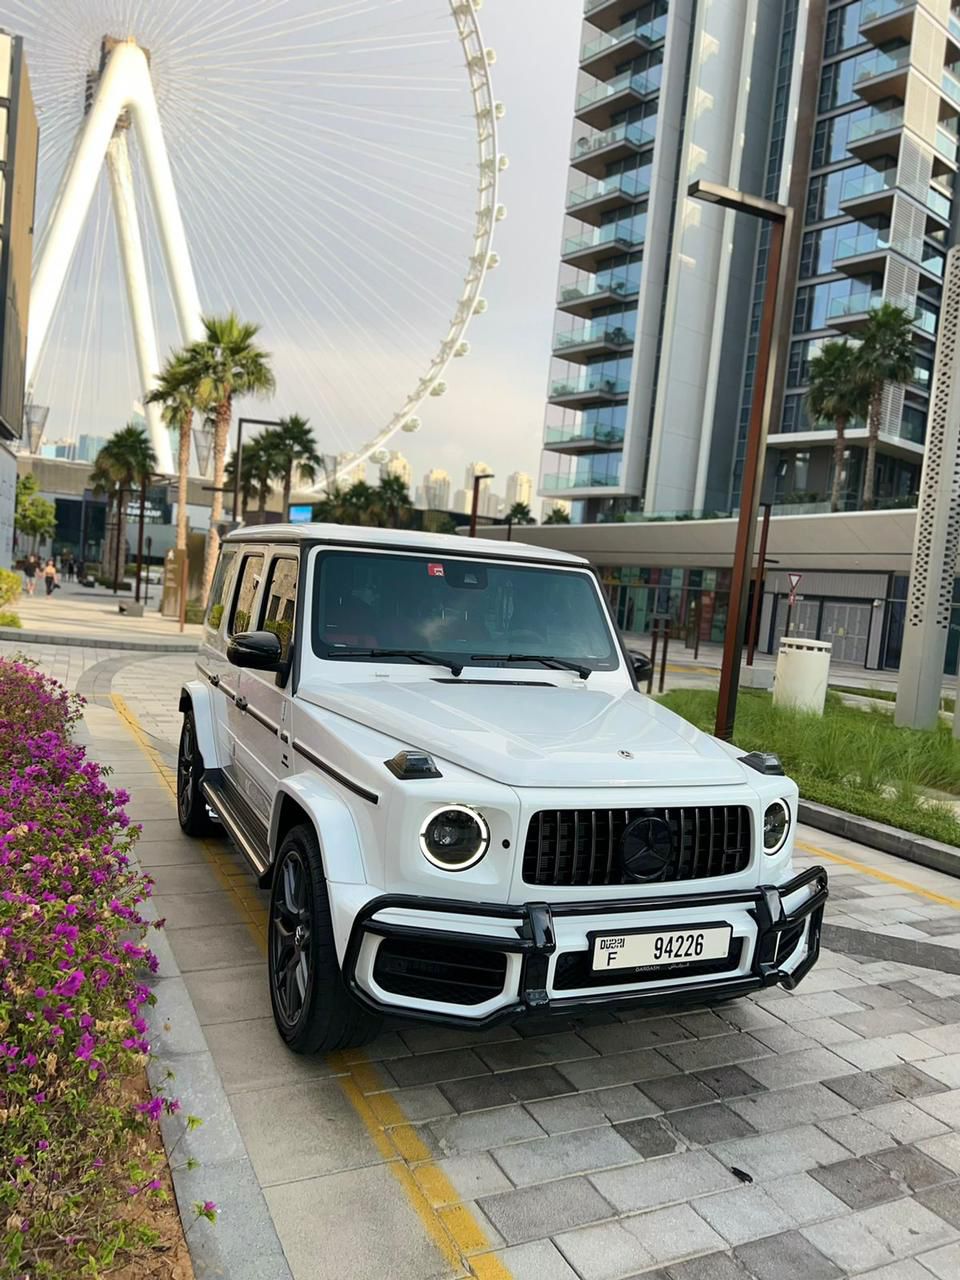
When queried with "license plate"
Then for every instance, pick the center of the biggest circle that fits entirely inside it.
(648, 950)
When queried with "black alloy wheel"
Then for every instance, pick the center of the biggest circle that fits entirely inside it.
(192, 811)
(291, 973)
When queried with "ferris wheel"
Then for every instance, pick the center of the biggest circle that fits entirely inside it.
(334, 174)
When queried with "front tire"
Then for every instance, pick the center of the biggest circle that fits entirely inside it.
(192, 812)
(313, 1010)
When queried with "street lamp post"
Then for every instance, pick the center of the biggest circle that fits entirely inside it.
(779, 217)
(483, 475)
(238, 465)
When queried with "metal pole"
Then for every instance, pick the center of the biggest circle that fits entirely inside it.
(237, 467)
(146, 585)
(749, 493)
(143, 510)
(484, 475)
(758, 584)
(116, 550)
(663, 658)
(654, 635)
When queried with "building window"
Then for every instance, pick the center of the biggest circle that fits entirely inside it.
(843, 29)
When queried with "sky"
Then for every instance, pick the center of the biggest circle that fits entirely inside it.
(334, 205)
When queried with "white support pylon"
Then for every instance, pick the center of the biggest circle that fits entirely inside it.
(124, 88)
(138, 292)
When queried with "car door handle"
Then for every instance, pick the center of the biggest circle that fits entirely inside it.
(284, 736)
(242, 704)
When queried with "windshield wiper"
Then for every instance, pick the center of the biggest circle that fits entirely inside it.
(547, 660)
(414, 655)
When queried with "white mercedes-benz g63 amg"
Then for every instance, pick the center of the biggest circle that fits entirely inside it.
(433, 751)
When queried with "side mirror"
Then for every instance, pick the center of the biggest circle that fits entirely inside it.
(260, 650)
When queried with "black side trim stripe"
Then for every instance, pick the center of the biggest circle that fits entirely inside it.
(337, 777)
(262, 719)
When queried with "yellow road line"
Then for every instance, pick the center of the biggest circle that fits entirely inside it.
(880, 875)
(456, 1233)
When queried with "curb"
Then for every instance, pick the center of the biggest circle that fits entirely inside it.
(876, 835)
(881, 946)
(13, 636)
(243, 1244)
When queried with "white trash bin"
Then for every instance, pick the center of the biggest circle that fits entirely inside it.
(803, 670)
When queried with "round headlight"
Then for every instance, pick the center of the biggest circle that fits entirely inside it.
(776, 825)
(454, 838)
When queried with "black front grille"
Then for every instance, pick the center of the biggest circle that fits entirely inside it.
(583, 846)
(438, 971)
(574, 972)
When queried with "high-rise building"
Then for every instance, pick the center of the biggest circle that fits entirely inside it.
(435, 490)
(845, 109)
(397, 465)
(519, 489)
(89, 446)
(18, 182)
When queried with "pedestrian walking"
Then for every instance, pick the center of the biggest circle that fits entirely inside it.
(30, 573)
(51, 578)
(68, 567)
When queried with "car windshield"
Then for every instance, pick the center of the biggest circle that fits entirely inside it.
(471, 612)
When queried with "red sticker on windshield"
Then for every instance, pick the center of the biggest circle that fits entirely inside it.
(435, 570)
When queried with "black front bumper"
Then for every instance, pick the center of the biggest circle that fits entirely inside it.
(536, 942)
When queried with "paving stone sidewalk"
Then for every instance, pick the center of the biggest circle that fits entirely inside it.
(800, 1136)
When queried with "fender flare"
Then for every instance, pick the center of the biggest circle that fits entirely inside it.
(332, 820)
(197, 697)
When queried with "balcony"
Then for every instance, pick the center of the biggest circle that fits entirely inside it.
(595, 149)
(588, 252)
(590, 388)
(882, 75)
(606, 14)
(601, 56)
(939, 204)
(588, 340)
(868, 193)
(591, 436)
(851, 312)
(883, 20)
(950, 85)
(592, 200)
(580, 297)
(872, 135)
(597, 104)
(865, 251)
(585, 476)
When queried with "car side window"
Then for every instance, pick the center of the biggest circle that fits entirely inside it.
(218, 590)
(251, 571)
(280, 601)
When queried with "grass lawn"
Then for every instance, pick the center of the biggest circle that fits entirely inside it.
(885, 695)
(849, 758)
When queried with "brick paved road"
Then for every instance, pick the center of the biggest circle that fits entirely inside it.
(785, 1137)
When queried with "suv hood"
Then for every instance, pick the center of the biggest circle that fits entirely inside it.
(527, 735)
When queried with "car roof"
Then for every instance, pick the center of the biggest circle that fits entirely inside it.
(399, 540)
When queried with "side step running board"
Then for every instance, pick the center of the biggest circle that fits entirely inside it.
(240, 824)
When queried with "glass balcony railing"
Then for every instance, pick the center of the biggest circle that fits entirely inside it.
(869, 183)
(933, 262)
(652, 31)
(875, 122)
(882, 63)
(946, 143)
(589, 384)
(860, 242)
(605, 330)
(598, 433)
(854, 304)
(588, 477)
(630, 185)
(951, 86)
(938, 203)
(641, 82)
(618, 283)
(614, 233)
(953, 25)
(874, 9)
(638, 133)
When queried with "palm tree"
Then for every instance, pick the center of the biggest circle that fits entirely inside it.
(103, 482)
(360, 504)
(128, 458)
(557, 515)
(174, 394)
(885, 355)
(393, 500)
(225, 363)
(839, 394)
(519, 513)
(294, 448)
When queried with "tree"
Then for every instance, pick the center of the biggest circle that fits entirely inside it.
(360, 504)
(224, 364)
(36, 517)
(393, 501)
(294, 448)
(129, 460)
(174, 393)
(557, 515)
(885, 355)
(519, 513)
(839, 393)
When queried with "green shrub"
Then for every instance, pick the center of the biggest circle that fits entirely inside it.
(10, 619)
(10, 587)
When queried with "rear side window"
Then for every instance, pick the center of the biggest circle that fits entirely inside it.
(280, 601)
(251, 571)
(218, 591)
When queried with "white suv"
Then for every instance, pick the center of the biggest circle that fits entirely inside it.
(433, 751)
